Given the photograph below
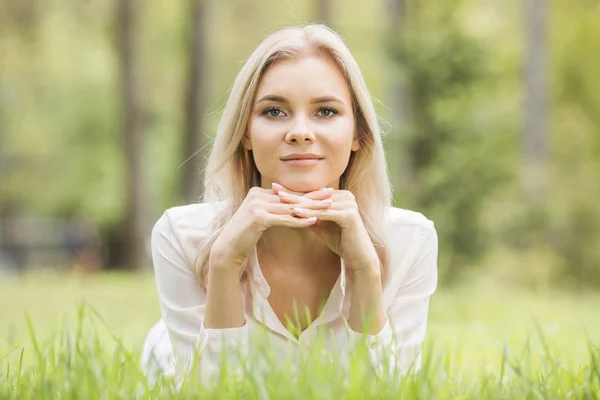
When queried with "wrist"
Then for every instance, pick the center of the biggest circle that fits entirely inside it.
(222, 260)
(365, 269)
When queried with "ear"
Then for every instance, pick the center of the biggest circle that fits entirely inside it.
(355, 145)
(246, 142)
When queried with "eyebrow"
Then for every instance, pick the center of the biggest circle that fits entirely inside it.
(317, 100)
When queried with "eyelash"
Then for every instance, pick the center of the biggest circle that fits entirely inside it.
(333, 111)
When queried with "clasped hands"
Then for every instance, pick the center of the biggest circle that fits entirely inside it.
(339, 224)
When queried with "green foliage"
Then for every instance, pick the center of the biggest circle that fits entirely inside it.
(575, 185)
(62, 128)
(567, 223)
(77, 363)
(458, 148)
(447, 140)
(64, 336)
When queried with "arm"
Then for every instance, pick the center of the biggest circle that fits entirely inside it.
(184, 303)
(224, 307)
(366, 307)
(404, 331)
(204, 321)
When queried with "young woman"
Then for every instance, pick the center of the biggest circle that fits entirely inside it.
(296, 233)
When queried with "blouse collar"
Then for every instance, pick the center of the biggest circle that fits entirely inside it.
(337, 303)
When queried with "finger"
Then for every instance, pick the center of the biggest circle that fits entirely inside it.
(303, 202)
(288, 221)
(276, 187)
(337, 216)
(321, 194)
(335, 204)
(291, 197)
(288, 209)
(259, 194)
(287, 198)
(343, 195)
(269, 198)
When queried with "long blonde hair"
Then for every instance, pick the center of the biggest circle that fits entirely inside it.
(231, 172)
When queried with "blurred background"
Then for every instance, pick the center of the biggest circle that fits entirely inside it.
(491, 111)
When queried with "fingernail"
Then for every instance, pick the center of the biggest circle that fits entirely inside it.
(276, 185)
(327, 190)
(311, 220)
(299, 210)
(327, 201)
(284, 194)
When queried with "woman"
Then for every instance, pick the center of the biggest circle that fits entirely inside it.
(296, 233)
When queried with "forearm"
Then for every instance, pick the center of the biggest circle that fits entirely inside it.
(224, 307)
(367, 314)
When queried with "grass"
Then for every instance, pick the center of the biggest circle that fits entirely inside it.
(80, 337)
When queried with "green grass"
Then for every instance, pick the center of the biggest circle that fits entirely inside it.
(80, 337)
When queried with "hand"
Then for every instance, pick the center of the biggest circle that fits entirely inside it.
(260, 210)
(339, 226)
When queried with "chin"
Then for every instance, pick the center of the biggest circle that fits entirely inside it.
(305, 186)
(302, 187)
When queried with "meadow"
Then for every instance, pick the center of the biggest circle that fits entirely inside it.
(68, 336)
(491, 115)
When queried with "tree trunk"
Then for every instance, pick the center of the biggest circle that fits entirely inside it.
(324, 11)
(399, 100)
(535, 145)
(194, 143)
(134, 220)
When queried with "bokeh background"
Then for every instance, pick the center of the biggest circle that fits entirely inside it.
(491, 111)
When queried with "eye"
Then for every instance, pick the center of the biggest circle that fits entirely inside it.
(273, 112)
(326, 112)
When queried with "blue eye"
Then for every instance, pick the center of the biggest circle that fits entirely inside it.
(328, 112)
(273, 112)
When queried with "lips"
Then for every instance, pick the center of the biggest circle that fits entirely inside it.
(306, 156)
(302, 162)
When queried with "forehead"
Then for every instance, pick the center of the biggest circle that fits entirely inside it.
(313, 76)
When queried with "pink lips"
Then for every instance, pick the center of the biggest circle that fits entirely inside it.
(302, 160)
(306, 162)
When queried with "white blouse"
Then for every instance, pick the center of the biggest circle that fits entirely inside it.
(410, 281)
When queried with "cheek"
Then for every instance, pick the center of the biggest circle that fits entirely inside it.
(338, 143)
(265, 143)
(261, 134)
(340, 137)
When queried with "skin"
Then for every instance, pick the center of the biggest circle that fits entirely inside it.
(299, 219)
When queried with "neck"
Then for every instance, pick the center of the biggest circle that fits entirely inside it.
(291, 248)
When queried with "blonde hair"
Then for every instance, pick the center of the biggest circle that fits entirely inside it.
(231, 172)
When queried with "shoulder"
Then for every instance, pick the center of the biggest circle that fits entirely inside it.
(410, 227)
(412, 245)
(197, 216)
(194, 215)
(400, 217)
(184, 227)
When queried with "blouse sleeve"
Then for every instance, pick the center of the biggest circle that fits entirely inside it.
(404, 331)
(183, 306)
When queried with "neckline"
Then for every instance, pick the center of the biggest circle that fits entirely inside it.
(258, 278)
(263, 312)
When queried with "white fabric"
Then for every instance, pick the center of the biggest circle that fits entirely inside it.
(171, 343)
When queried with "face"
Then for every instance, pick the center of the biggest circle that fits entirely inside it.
(302, 127)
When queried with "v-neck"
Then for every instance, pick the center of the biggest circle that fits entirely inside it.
(263, 311)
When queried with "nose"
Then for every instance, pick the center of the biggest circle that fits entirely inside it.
(300, 134)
